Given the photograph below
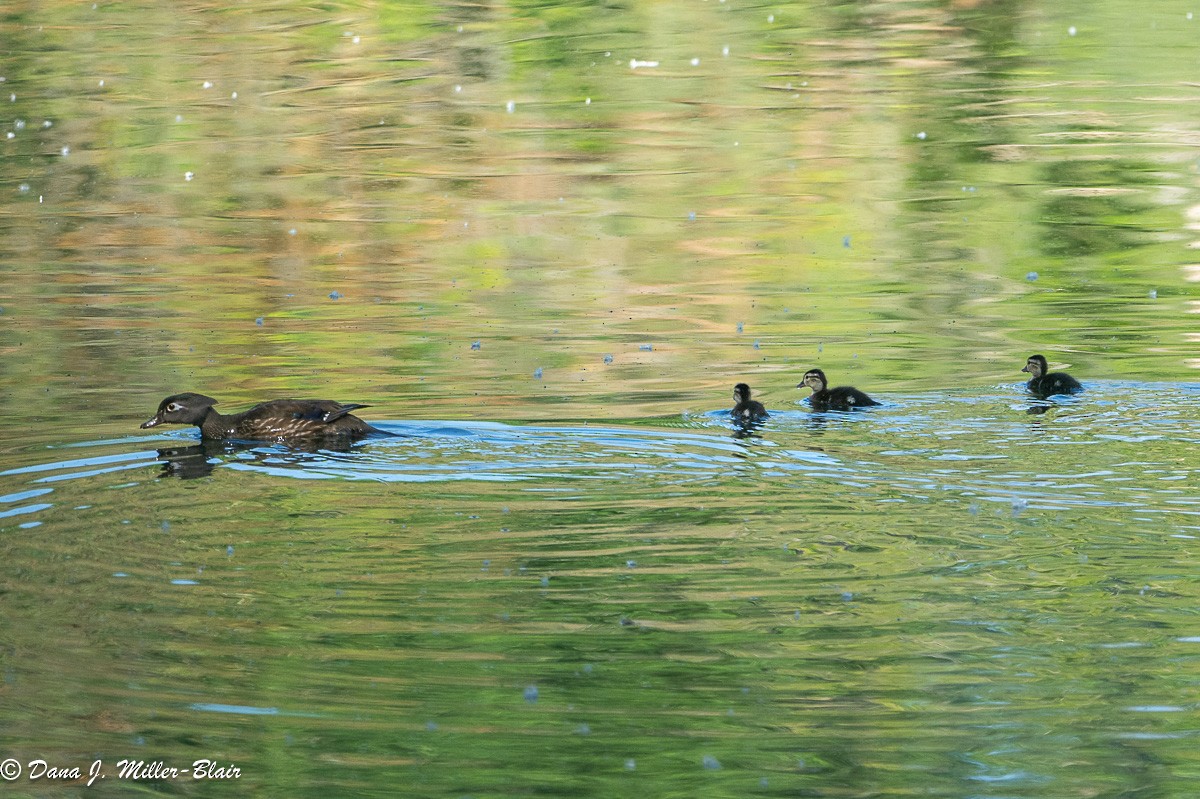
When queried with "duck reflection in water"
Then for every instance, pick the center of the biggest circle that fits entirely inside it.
(200, 459)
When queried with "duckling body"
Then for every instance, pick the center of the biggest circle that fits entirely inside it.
(1044, 383)
(839, 398)
(745, 409)
(277, 420)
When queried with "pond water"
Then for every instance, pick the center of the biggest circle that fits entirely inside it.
(543, 241)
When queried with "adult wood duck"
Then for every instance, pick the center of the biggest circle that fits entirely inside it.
(841, 398)
(277, 420)
(744, 408)
(1044, 383)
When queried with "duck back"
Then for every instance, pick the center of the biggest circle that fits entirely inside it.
(841, 398)
(290, 419)
(1053, 383)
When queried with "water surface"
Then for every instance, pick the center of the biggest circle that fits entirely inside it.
(543, 241)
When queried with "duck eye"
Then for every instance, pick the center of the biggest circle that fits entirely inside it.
(174, 406)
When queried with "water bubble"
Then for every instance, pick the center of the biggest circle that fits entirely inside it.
(476, 345)
(588, 101)
(1153, 294)
(545, 582)
(10, 135)
(583, 729)
(47, 123)
(356, 39)
(846, 242)
(259, 321)
(1031, 276)
(23, 188)
(1019, 504)
(457, 88)
(921, 135)
(1189, 16)
(165, 526)
(335, 295)
(229, 550)
(65, 151)
(740, 326)
(691, 216)
(531, 693)
(207, 84)
(757, 346)
(101, 83)
(431, 726)
(725, 49)
(630, 764)
(646, 347)
(187, 176)
(19, 124)
(1071, 31)
(695, 62)
(233, 96)
(537, 373)
(770, 17)
(711, 762)
(510, 106)
(631, 564)
(847, 596)
(608, 359)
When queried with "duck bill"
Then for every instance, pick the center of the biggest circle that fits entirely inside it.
(1026, 369)
(153, 421)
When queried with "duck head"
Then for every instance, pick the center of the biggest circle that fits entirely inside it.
(741, 393)
(814, 379)
(187, 408)
(1036, 366)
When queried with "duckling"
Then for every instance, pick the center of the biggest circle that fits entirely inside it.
(744, 408)
(842, 398)
(277, 420)
(1044, 385)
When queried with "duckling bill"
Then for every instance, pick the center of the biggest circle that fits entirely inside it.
(1044, 383)
(745, 409)
(277, 420)
(840, 398)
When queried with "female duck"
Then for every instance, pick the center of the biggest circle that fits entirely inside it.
(277, 420)
(1044, 383)
(745, 409)
(842, 398)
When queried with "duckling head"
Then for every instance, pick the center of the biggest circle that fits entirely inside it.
(1036, 366)
(814, 379)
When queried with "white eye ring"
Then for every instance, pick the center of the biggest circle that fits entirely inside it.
(174, 406)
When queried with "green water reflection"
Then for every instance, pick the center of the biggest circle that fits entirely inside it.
(589, 214)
